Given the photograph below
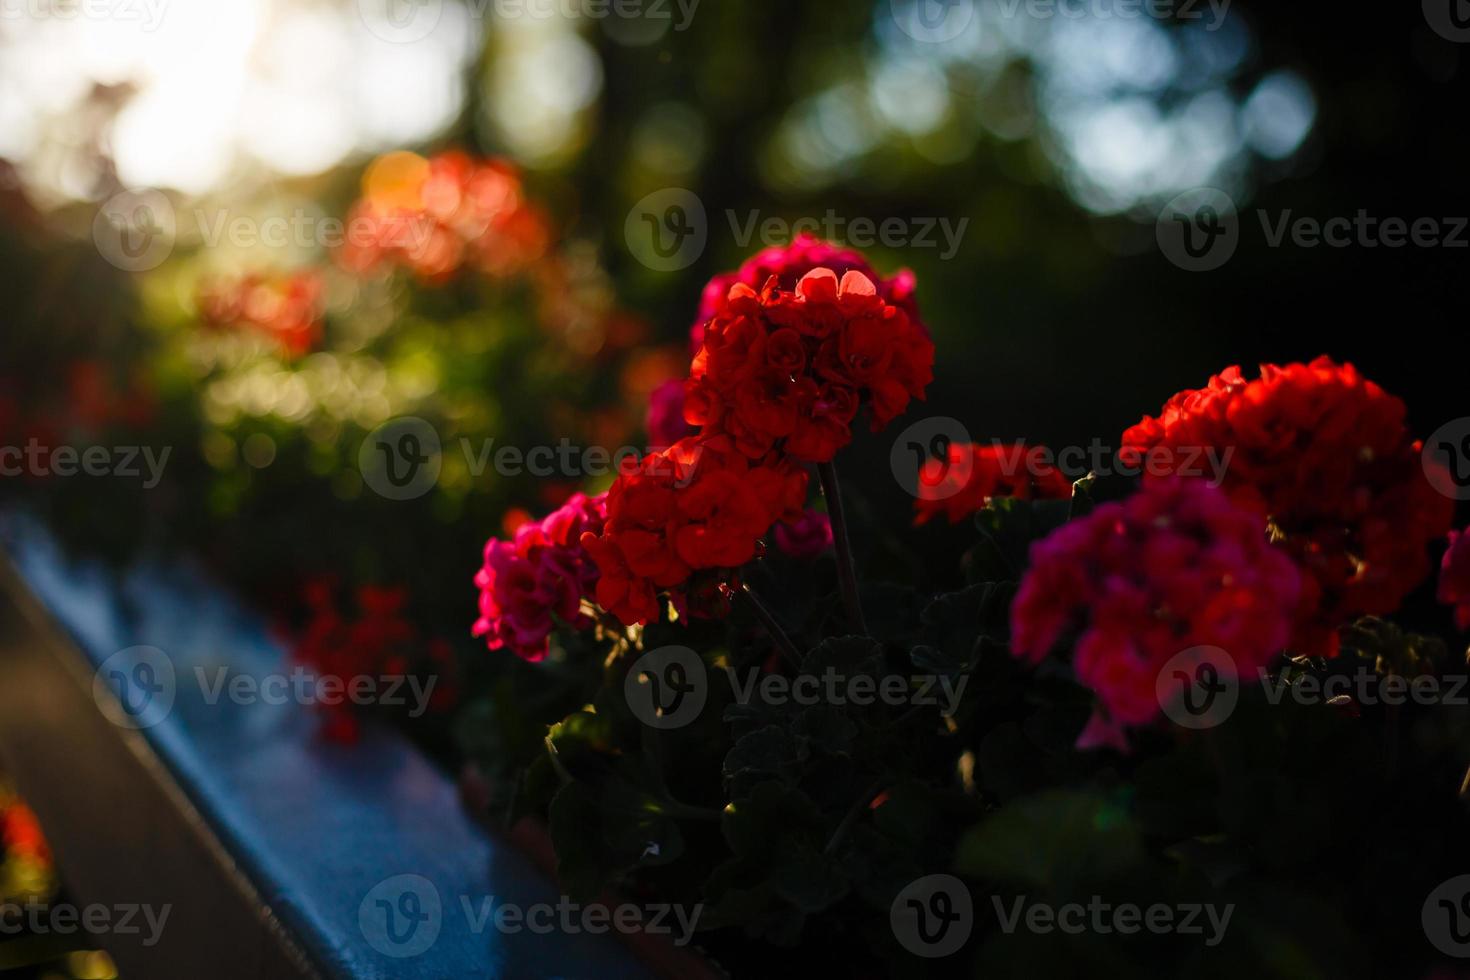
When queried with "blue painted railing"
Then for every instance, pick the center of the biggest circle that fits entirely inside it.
(279, 854)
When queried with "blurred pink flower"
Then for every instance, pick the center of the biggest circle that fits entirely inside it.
(665, 422)
(806, 537)
(1454, 577)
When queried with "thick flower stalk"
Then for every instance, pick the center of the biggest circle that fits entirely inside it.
(1322, 456)
(1175, 566)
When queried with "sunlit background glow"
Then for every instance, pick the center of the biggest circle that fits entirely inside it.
(1130, 111)
(213, 90)
(1126, 111)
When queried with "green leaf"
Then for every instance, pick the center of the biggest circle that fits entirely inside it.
(1008, 527)
(767, 751)
(771, 812)
(911, 814)
(846, 657)
(600, 833)
(827, 728)
(1053, 840)
(808, 879)
(962, 626)
(737, 892)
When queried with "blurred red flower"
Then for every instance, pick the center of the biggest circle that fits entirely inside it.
(95, 400)
(20, 832)
(972, 473)
(376, 639)
(435, 216)
(286, 308)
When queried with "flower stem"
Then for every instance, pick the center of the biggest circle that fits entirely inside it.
(846, 571)
(684, 811)
(773, 627)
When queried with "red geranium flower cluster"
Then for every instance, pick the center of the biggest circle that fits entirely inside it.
(788, 263)
(788, 370)
(971, 474)
(95, 399)
(435, 216)
(285, 308)
(540, 575)
(375, 640)
(1175, 566)
(1454, 577)
(778, 379)
(699, 505)
(1322, 456)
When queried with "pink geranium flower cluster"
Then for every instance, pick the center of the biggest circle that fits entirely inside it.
(1175, 566)
(540, 576)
